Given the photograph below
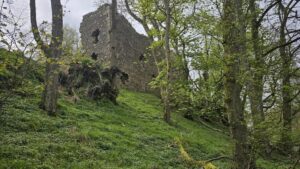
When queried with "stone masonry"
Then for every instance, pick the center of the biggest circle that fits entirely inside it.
(122, 47)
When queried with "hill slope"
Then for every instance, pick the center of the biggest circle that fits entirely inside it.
(87, 134)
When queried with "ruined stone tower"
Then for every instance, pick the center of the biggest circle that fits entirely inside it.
(119, 46)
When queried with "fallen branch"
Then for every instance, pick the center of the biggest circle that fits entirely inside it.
(219, 158)
(212, 128)
(207, 164)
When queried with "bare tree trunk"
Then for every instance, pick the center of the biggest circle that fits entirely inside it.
(114, 10)
(167, 109)
(52, 52)
(113, 27)
(235, 50)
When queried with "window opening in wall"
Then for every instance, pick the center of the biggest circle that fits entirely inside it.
(95, 35)
(142, 58)
(94, 56)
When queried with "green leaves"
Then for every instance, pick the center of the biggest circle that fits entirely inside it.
(156, 44)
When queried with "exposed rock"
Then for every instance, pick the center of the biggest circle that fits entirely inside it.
(121, 47)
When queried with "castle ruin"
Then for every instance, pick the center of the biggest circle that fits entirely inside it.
(114, 42)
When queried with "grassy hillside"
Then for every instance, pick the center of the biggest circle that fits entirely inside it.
(87, 134)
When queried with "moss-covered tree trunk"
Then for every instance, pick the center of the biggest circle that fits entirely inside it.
(286, 86)
(256, 83)
(235, 53)
(166, 97)
(52, 52)
(50, 93)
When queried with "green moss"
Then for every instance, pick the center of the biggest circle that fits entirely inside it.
(88, 134)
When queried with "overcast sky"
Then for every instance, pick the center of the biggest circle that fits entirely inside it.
(75, 9)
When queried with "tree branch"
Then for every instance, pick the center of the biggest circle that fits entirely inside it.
(295, 96)
(131, 13)
(279, 46)
(34, 26)
(259, 21)
(138, 19)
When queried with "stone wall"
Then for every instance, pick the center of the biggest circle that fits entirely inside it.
(122, 47)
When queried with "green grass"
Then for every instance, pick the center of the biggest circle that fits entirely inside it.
(88, 134)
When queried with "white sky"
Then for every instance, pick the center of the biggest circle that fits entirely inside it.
(75, 9)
